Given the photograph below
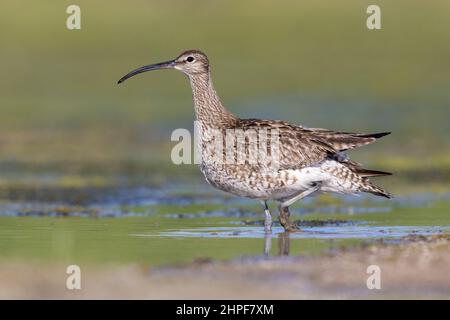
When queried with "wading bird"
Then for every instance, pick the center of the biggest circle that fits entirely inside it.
(310, 160)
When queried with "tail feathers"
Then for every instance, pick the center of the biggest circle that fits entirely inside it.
(358, 169)
(369, 187)
(349, 177)
(362, 172)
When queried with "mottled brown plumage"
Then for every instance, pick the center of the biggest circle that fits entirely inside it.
(299, 161)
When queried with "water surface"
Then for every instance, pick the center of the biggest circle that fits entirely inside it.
(173, 223)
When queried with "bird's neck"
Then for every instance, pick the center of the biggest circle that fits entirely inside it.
(208, 108)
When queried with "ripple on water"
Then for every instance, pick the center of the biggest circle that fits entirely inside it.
(323, 232)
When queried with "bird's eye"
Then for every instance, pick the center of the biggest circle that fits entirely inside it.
(190, 59)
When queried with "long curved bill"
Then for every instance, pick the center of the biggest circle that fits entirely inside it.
(156, 66)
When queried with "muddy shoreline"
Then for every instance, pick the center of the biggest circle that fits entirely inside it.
(416, 268)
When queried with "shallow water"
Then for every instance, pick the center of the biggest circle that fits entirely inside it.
(165, 224)
(339, 232)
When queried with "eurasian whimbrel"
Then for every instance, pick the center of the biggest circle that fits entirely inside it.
(309, 160)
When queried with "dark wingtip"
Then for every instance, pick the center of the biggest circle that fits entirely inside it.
(369, 173)
(383, 173)
(379, 135)
(376, 173)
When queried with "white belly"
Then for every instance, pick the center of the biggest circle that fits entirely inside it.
(279, 185)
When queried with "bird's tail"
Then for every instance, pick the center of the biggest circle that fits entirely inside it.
(364, 174)
(368, 186)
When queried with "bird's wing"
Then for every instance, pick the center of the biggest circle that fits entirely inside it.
(301, 147)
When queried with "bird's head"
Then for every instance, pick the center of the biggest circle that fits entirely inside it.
(189, 62)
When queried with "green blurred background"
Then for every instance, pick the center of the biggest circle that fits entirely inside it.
(310, 62)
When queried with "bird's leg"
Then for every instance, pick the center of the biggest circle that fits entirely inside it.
(284, 219)
(268, 218)
(301, 195)
(284, 208)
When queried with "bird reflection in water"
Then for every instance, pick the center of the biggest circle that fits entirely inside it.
(283, 241)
